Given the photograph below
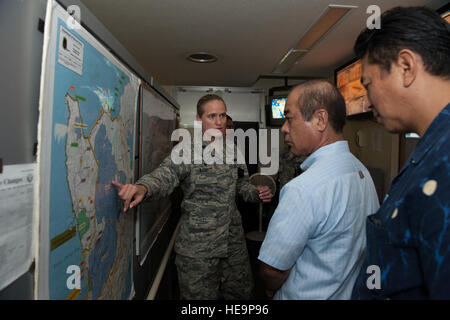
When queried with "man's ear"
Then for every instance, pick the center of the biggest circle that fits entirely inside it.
(320, 119)
(408, 63)
(198, 118)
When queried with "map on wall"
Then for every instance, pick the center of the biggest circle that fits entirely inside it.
(158, 121)
(87, 140)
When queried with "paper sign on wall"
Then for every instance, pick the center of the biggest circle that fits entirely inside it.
(70, 51)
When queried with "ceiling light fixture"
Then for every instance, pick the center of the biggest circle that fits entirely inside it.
(201, 57)
(321, 26)
(288, 61)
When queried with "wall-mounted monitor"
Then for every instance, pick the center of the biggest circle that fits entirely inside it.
(446, 16)
(444, 11)
(278, 108)
(275, 110)
(348, 81)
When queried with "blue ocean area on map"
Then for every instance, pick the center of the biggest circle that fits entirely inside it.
(107, 204)
(128, 280)
(70, 253)
(100, 81)
(101, 260)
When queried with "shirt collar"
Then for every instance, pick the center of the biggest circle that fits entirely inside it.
(325, 151)
(439, 127)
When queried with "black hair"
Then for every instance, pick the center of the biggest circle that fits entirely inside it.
(317, 94)
(418, 29)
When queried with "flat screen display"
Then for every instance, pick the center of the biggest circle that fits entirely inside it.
(348, 81)
(446, 16)
(278, 108)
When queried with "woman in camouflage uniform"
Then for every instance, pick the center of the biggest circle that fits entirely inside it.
(212, 258)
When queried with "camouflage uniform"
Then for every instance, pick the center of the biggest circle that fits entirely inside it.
(210, 246)
(289, 167)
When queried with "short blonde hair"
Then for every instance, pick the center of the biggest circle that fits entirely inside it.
(206, 98)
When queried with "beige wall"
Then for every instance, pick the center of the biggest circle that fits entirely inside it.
(377, 149)
(407, 146)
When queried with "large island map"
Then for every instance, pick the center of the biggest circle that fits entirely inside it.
(92, 144)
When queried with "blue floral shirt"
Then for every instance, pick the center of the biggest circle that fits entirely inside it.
(408, 239)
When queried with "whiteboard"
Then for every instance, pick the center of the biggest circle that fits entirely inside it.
(157, 122)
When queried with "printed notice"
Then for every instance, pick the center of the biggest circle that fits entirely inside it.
(16, 221)
(70, 51)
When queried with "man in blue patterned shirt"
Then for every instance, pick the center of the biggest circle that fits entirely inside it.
(406, 71)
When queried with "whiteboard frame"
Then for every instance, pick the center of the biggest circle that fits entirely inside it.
(144, 243)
